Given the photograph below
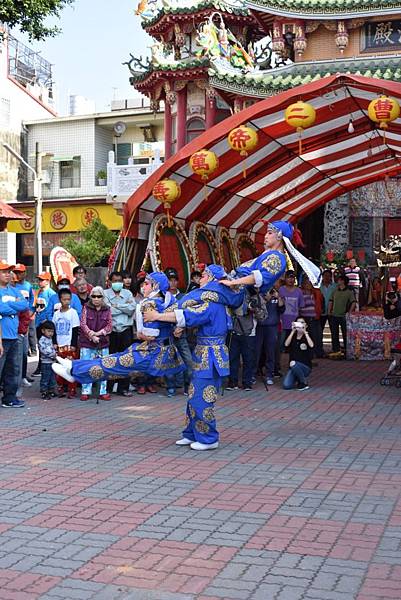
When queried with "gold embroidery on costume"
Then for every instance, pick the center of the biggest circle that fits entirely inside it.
(148, 305)
(210, 296)
(222, 362)
(272, 264)
(201, 354)
(188, 303)
(248, 263)
(143, 349)
(208, 414)
(186, 421)
(200, 308)
(171, 308)
(202, 427)
(209, 393)
(126, 360)
(96, 372)
(109, 362)
(191, 391)
(192, 412)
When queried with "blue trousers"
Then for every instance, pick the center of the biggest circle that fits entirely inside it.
(242, 346)
(87, 354)
(48, 378)
(266, 339)
(10, 368)
(296, 374)
(200, 422)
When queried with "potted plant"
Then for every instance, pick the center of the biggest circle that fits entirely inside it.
(101, 177)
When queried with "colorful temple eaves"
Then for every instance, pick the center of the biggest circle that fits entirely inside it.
(325, 9)
(260, 84)
(195, 7)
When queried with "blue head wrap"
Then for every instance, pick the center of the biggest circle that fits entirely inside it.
(282, 228)
(160, 280)
(216, 271)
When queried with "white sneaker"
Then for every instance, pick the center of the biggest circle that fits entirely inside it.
(65, 362)
(63, 372)
(26, 383)
(269, 381)
(184, 442)
(199, 446)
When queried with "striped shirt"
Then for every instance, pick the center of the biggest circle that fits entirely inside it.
(309, 308)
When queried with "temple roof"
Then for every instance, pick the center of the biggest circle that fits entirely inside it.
(282, 181)
(260, 84)
(326, 9)
(190, 8)
(156, 72)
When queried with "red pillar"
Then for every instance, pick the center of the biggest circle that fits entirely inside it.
(181, 117)
(168, 129)
(210, 110)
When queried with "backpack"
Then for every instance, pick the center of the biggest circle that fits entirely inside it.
(258, 305)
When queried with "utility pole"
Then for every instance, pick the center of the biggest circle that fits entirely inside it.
(37, 193)
(38, 257)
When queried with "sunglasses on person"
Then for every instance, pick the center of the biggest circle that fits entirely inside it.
(96, 296)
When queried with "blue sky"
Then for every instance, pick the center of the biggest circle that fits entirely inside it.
(97, 37)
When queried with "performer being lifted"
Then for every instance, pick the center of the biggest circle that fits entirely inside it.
(264, 270)
(156, 355)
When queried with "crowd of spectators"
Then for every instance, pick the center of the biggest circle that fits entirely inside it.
(280, 331)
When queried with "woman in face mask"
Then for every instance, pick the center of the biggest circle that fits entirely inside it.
(155, 354)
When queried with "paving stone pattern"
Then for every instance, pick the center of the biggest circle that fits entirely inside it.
(302, 501)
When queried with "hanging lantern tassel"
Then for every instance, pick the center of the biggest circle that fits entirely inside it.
(167, 206)
(245, 156)
(299, 130)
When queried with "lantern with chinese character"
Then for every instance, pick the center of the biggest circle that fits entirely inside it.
(384, 110)
(300, 115)
(167, 191)
(243, 139)
(204, 163)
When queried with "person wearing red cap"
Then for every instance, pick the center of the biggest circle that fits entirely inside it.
(12, 303)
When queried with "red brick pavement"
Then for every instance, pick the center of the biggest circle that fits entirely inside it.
(301, 501)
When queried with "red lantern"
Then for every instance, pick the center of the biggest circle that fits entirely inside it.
(349, 254)
(361, 255)
(330, 256)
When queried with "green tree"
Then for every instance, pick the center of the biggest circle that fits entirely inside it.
(29, 16)
(92, 244)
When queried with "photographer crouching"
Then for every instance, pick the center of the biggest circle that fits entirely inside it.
(300, 347)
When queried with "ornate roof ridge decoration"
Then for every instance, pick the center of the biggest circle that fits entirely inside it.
(173, 66)
(184, 7)
(265, 83)
(326, 9)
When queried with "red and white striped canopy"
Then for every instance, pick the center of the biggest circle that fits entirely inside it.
(279, 183)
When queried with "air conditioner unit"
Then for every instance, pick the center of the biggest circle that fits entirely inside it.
(47, 177)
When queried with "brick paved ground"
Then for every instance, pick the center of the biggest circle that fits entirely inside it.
(301, 502)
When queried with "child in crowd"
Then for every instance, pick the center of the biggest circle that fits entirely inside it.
(66, 322)
(47, 353)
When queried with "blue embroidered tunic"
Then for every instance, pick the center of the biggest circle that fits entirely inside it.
(266, 268)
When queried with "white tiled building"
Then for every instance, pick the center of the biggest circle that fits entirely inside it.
(74, 150)
(25, 93)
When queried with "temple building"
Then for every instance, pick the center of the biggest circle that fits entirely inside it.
(213, 58)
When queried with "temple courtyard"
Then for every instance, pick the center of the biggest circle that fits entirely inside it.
(302, 501)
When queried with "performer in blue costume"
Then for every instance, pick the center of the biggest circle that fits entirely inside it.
(206, 309)
(262, 271)
(156, 355)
